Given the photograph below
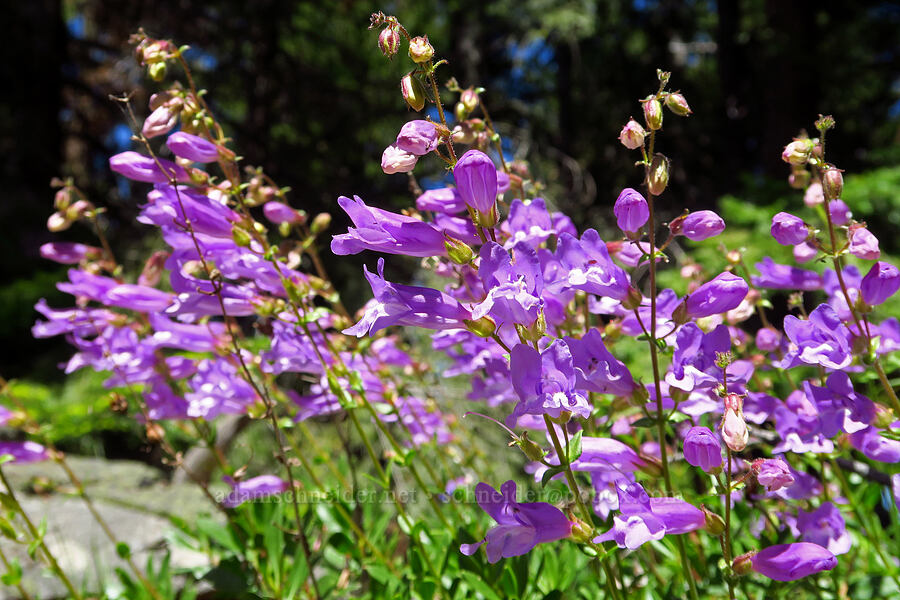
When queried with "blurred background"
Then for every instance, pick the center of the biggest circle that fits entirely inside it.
(305, 93)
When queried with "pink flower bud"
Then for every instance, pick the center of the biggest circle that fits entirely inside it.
(160, 121)
(833, 183)
(653, 114)
(395, 160)
(678, 105)
(734, 430)
(420, 51)
(797, 152)
(632, 135)
(863, 244)
(814, 195)
(412, 91)
(389, 41)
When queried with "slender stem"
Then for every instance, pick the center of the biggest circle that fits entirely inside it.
(6, 563)
(36, 536)
(440, 107)
(727, 544)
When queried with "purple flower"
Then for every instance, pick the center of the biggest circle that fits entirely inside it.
(702, 449)
(162, 120)
(138, 167)
(785, 277)
(804, 252)
(825, 526)
(768, 339)
(694, 361)
(418, 137)
(820, 340)
(588, 267)
(68, 253)
(596, 369)
(772, 473)
(442, 200)
(545, 382)
(395, 160)
(873, 445)
(701, 225)
(514, 284)
(171, 208)
(529, 222)
(279, 212)
(880, 283)
(218, 389)
(193, 338)
(138, 297)
(520, 525)
(724, 292)
(863, 244)
(387, 232)
(643, 519)
(476, 180)
(396, 304)
(789, 562)
(24, 452)
(606, 454)
(253, 489)
(789, 230)
(840, 212)
(631, 210)
(192, 147)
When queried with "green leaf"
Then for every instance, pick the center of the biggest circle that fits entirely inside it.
(5, 458)
(645, 422)
(574, 447)
(550, 473)
(14, 575)
(479, 585)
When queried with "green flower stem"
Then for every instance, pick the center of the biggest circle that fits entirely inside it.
(37, 537)
(6, 563)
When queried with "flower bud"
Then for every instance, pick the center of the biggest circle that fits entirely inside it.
(161, 121)
(742, 564)
(653, 114)
(714, 523)
(420, 51)
(631, 210)
(659, 174)
(734, 429)
(529, 448)
(701, 225)
(839, 212)
(320, 223)
(413, 92)
(476, 181)
(418, 137)
(772, 473)
(581, 532)
(241, 236)
(632, 135)
(797, 152)
(799, 179)
(460, 112)
(395, 160)
(789, 230)
(678, 105)
(153, 268)
(469, 99)
(483, 327)
(389, 41)
(58, 222)
(790, 562)
(632, 298)
(157, 71)
(863, 244)
(458, 251)
(702, 449)
(833, 183)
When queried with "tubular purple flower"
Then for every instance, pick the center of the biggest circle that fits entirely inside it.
(24, 452)
(387, 232)
(804, 252)
(442, 200)
(68, 253)
(396, 304)
(631, 210)
(701, 225)
(588, 267)
(395, 160)
(160, 121)
(819, 340)
(789, 562)
(863, 244)
(279, 212)
(785, 277)
(840, 212)
(723, 293)
(643, 519)
(702, 448)
(138, 297)
(520, 525)
(596, 369)
(825, 526)
(418, 137)
(138, 167)
(880, 283)
(768, 339)
(772, 473)
(789, 230)
(253, 489)
(192, 147)
(476, 180)
(545, 382)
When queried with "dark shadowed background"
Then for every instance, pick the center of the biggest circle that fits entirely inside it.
(305, 93)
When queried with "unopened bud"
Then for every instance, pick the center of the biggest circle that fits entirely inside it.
(320, 223)
(157, 71)
(680, 314)
(659, 174)
(413, 92)
(797, 152)
(155, 433)
(532, 450)
(742, 565)
(58, 222)
(469, 99)
(653, 114)
(483, 327)
(676, 224)
(241, 236)
(632, 298)
(884, 417)
(460, 112)
(833, 184)
(678, 105)
(420, 51)
(458, 251)
(153, 268)
(799, 179)
(62, 199)
(714, 523)
(582, 533)
(389, 41)
(632, 135)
